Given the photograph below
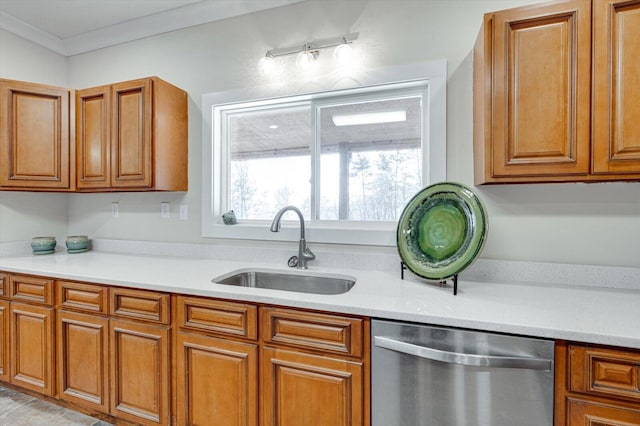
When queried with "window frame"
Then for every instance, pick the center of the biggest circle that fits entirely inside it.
(430, 75)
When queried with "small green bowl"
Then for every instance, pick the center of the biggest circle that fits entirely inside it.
(77, 243)
(43, 245)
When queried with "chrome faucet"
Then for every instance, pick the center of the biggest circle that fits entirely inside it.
(304, 254)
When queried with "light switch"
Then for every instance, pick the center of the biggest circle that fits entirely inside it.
(114, 209)
(184, 211)
(164, 210)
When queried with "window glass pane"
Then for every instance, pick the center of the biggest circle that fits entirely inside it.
(270, 164)
(371, 162)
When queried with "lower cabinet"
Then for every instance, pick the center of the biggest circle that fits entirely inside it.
(152, 358)
(304, 389)
(32, 345)
(216, 381)
(140, 372)
(580, 413)
(115, 357)
(301, 368)
(4, 340)
(83, 359)
(597, 385)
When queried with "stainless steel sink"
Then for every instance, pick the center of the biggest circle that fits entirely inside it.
(281, 280)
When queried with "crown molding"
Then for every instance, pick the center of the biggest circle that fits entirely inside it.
(175, 19)
(31, 33)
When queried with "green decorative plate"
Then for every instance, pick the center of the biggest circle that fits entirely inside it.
(441, 230)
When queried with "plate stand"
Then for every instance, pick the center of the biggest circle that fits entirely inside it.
(403, 267)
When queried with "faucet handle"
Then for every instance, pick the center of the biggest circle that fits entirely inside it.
(308, 254)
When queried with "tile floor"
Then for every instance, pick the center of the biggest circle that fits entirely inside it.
(17, 409)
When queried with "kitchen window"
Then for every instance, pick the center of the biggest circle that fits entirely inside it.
(349, 159)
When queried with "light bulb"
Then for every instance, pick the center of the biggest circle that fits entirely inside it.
(305, 60)
(266, 65)
(343, 54)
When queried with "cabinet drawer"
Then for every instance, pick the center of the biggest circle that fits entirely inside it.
(82, 297)
(605, 372)
(333, 333)
(594, 414)
(4, 285)
(31, 289)
(139, 304)
(236, 319)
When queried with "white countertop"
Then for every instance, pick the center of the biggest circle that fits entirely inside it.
(584, 314)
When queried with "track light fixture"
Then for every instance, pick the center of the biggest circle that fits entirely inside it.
(309, 52)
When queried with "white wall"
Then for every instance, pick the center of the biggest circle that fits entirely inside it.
(23, 60)
(24, 215)
(572, 223)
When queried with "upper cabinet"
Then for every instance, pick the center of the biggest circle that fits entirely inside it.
(616, 87)
(36, 152)
(554, 89)
(129, 136)
(132, 136)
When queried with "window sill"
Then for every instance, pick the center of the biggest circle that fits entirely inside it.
(356, 233)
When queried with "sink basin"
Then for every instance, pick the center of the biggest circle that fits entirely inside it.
(288, 281)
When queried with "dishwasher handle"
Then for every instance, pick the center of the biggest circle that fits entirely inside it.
(492, 361)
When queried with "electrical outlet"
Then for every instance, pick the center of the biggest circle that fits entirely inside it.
(164, 210)
(114, 209)
(184, 211)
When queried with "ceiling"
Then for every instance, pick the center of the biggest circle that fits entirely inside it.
(71, 27)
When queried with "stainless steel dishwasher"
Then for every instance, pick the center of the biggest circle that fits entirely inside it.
(433, 376)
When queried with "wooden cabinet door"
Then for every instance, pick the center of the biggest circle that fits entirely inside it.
(217, 381)
(131, 121)
(303, 389)
(616, 87)
(140, 363)
(83, 359)
(4, 341)
(541, 85)
(32, 347)
(93, 133)
(34, 136)
(585, 413)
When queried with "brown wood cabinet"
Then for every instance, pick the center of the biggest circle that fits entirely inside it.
(82, 336)
(153, 358)
(535, 68)
(305, 389)
(93, 138)
(31, 289)
(31, 333)
(313, 368)
(128, 136)
(217, 381)
(328, 333)
(140, 355)
(32, 347)
(113, 351)
(140, 371)
(36, 149)
(616, 83)
(4, 285)
(4, 328)
(83, 359)
(597, 385)
(216, 362)
(132, 136)
(4, 340)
